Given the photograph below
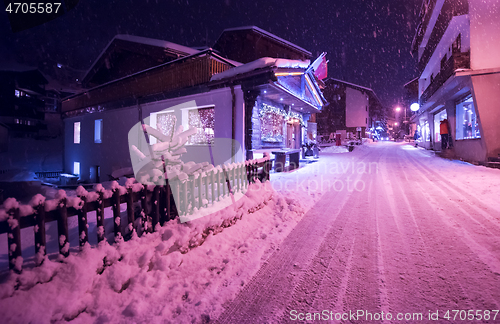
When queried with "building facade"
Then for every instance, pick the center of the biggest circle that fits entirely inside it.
(351, 107)
(456, 45)
(239, 111)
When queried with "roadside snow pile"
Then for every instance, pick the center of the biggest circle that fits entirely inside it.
(334, 149)
(152, 278)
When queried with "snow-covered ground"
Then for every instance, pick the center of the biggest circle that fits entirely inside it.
(387, 227)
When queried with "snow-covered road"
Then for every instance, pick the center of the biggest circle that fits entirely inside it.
(410, 236)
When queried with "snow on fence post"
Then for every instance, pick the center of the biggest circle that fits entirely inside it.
(155, 217)
(116, 213)
(62, 224)
(14, 239)
(130, 209)
(82, 223)
(39, 229)
(100, 217)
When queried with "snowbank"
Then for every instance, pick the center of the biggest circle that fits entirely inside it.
(152, 278)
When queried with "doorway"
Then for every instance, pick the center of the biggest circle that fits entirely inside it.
(293, 134)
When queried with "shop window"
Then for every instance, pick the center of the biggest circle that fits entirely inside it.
(98, 131)
(76, 133)
(437, 124)
(202, 119)
(467, 120)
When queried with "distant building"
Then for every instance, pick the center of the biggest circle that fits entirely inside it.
(351, 107)
(21, 100)
(456, 45)
(263, 105)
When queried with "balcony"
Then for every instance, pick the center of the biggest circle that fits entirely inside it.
(456, 61)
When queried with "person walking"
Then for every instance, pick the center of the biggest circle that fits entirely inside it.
(444, 132)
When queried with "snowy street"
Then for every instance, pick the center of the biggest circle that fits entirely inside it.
(388, 233)
(421, 235)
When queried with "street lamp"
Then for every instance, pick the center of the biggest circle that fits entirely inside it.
(398, 109)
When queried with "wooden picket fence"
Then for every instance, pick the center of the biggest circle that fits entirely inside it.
(157, 204)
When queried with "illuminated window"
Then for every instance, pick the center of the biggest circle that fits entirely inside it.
(467, 120)
(76, 168)
(98, 131)
(165, 123)
(76, 133)
(203, 120)
(272, 120)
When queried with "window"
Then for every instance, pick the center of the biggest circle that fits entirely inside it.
(467, 120)
(76, 168)
(203, 120)
(165, 123)
(76, 133)
(98, 131)
(437, 124)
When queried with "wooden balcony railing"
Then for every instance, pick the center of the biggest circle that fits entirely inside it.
(456, 61)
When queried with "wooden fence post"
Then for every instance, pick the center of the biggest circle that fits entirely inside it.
(213, 186)
(162, 202)
(130, 210)
(155, 203)
(185, 202)
(62, 228)
(101, 235)
(116, 213)
(82, 223)
(218, 185)
(206, 187)
(168, 197)
(200, 196)
(193, 198)
(14, 240)
(144, 208)
(40, 240)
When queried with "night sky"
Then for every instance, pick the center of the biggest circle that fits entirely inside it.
(368, 42)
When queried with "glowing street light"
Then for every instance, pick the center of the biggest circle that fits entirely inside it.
(396, 124)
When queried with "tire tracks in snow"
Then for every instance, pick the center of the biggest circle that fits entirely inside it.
(450, 245)
(295, 272)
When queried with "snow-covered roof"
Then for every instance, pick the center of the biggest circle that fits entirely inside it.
(155, 42)
(268, 34)
(145, 41)
(350, 84)
(259, 64)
